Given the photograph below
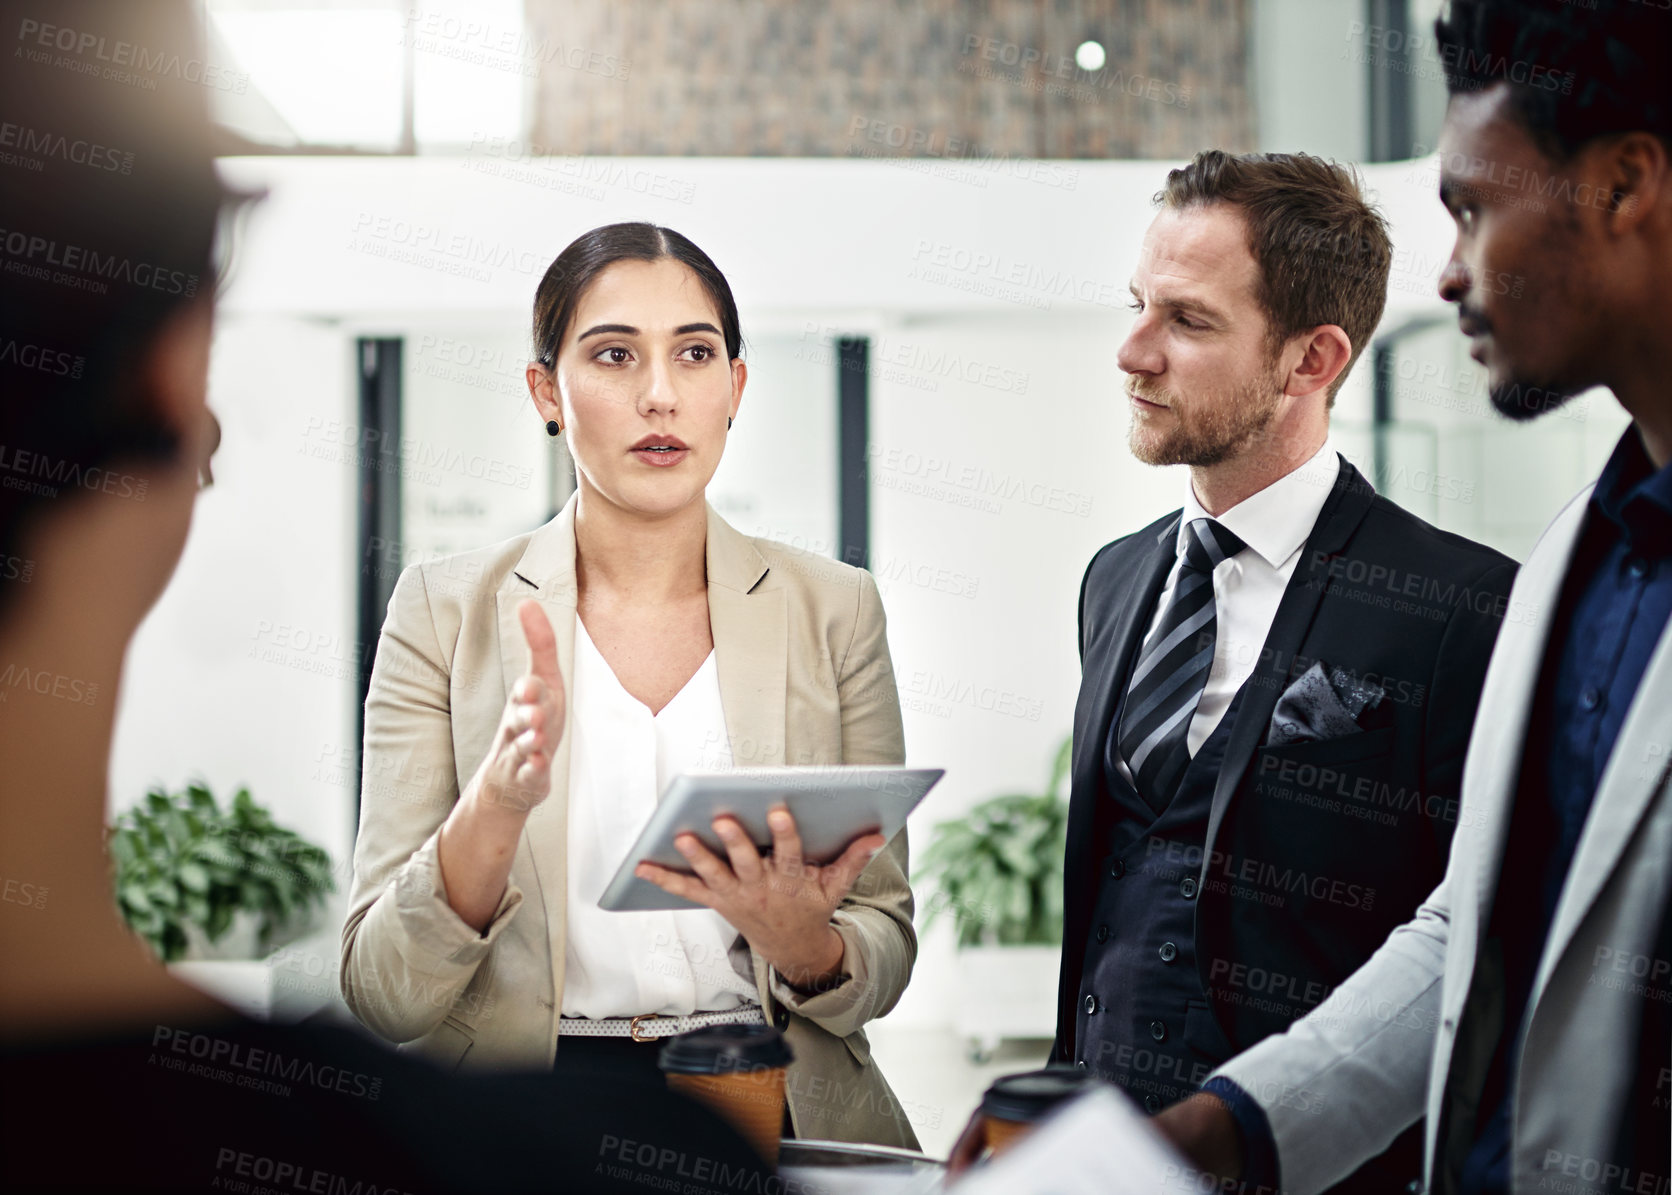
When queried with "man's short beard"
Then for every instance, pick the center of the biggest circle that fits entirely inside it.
(1522, 402)
(1217, 432)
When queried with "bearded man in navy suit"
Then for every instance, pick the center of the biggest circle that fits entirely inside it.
(1279, 679)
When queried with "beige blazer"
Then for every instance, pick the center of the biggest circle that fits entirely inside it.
(805, 678)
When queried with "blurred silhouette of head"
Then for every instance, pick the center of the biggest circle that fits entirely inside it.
(108, 218)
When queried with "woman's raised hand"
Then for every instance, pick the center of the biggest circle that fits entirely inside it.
(479, 838)
(517, 771)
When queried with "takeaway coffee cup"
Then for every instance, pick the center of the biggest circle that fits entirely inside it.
(739, 1072)
(1015, 1103)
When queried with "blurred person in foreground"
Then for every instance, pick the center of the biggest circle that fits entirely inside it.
(1524, 1011)
(1278, 679)
(113, 1075)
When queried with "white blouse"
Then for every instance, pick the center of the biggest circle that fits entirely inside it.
(621, 757)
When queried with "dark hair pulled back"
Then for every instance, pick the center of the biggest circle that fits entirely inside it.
(589, 254)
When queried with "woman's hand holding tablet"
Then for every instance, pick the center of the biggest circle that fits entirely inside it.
(778, 901)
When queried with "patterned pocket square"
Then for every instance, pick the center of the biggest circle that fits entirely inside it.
(1321, 705)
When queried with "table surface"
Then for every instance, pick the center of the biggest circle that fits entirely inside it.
(839, 1167)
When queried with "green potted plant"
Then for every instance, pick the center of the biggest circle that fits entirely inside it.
(998, 872)
(190, 874)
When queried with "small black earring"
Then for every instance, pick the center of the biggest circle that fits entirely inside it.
(728, 423)
(552, 429)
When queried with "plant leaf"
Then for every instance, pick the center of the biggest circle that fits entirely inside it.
(193, 877)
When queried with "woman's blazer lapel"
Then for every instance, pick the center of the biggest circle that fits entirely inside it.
(750, 625)
(751, 645)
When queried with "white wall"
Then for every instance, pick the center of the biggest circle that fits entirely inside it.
(1311, 65)
(1309, 75)
(477, 467)
(778, 477)
(244, 672)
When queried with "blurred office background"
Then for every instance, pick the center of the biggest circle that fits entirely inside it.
(928, 212)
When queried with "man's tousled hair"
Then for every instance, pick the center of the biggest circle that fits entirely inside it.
(1323, 252)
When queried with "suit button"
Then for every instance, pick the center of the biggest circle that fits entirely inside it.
(1117, 869)
(1187, 887)
(1169, 952)
(1091, 1004)
(1589, 698)
(1158, 1030)
(1082, 1064)
(1637, 567)
(781, 1017)
(1102, 933)
(1152, 1104)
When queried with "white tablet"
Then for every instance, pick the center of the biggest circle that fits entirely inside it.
(831, 807)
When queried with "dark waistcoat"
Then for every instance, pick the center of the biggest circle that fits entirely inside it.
(1143, 1021)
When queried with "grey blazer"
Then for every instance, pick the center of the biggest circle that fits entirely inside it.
(805, 678)
(1386, 1046)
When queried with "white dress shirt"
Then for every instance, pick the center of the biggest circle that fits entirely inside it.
(621, 757)
(1247, 587)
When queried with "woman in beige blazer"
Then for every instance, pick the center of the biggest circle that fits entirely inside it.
(460, 913)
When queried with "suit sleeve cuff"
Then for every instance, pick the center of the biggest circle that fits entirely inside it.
(431, 925)
(835, 1000)
(1259, 1150)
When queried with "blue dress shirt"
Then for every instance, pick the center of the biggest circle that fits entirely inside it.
(1614, 607)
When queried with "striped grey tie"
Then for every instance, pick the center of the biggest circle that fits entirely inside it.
(1173, 669)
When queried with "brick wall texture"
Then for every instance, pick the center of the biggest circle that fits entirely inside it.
(890, 78)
